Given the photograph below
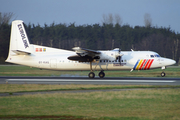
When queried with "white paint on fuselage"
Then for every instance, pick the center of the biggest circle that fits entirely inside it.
(56, 59)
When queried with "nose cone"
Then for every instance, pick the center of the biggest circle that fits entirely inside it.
(169, 62)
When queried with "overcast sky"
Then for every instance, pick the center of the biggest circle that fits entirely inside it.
(165, 13)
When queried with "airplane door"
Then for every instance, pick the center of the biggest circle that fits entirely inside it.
(53, 63)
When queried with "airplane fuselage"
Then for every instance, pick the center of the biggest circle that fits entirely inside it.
(56, 59)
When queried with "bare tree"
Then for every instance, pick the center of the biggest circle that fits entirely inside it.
(105, 19)
(147, 20)
(118, 19)
(5, 17)
(112, 19)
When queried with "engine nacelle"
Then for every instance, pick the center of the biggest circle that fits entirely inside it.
(109, 55)
(80, 59)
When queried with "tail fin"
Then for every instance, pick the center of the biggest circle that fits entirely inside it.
(19, 43)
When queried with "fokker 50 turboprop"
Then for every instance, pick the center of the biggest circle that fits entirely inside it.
(23, 53)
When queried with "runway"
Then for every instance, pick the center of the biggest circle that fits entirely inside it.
(86, 80)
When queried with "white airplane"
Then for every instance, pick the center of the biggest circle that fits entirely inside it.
(23, 53)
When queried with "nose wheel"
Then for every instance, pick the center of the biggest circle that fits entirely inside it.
(163, 74)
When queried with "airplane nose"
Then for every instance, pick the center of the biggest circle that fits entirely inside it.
(170, 62)
(173, 62)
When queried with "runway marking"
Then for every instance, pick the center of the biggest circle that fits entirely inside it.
(101, 80)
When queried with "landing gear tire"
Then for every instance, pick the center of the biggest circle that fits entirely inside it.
(91, 75)
(101, 74)
(163, 74)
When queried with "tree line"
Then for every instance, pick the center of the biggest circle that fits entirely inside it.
(98, 37)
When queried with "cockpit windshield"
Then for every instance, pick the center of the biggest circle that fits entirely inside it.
(156, 55)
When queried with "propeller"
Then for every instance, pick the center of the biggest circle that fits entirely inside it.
(118, 55)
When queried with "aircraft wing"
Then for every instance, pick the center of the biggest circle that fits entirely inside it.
(87, 55)
(84, 55)
(85, 52)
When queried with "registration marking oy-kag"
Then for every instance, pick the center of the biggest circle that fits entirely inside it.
(85, 80)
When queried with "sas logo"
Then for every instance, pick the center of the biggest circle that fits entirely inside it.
(143, 64)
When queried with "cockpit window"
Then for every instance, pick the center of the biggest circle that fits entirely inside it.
(152, 55)
(156, 55)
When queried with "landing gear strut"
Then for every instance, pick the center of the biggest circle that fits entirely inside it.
(92, 75)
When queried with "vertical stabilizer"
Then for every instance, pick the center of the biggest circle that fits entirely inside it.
(19, 40)
(19, 43)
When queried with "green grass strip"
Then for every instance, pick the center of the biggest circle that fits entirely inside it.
(12, 88)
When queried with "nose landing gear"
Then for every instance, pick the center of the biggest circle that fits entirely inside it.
(163, 74)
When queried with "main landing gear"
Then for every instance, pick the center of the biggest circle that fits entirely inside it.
(101, 74)
(92, 75)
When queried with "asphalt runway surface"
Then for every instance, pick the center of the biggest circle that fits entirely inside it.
(86, 80)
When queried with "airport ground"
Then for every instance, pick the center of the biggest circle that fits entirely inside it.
(159, 98)
(18, 70)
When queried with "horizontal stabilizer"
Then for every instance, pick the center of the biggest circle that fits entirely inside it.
(19, 52)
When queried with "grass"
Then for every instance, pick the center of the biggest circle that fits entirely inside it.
(141, 104)
(14, 70)
(136, 104)
(12, 88)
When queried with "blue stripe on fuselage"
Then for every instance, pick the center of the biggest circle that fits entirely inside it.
(136, 64)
